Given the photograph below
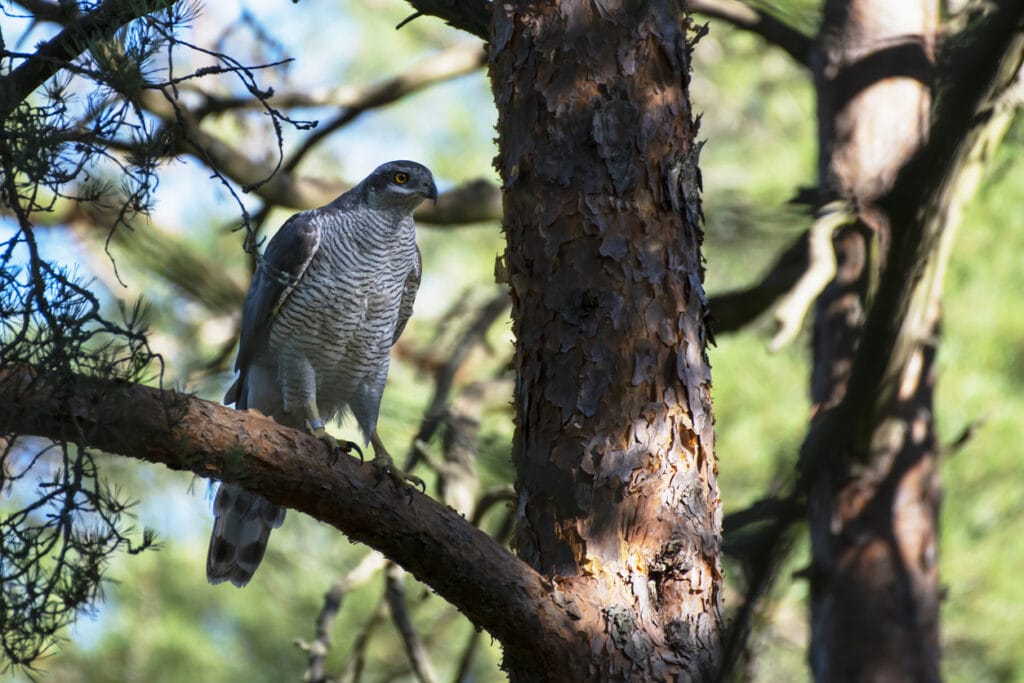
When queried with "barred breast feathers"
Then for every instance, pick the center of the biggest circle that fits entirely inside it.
(353, 291)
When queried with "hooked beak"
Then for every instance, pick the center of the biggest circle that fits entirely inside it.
(432, 192)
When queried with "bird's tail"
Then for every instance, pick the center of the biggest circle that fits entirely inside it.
(241, 528)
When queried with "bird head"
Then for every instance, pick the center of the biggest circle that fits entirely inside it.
(399, 185)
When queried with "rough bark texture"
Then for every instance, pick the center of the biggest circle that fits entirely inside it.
(874, 504)
(618, 499)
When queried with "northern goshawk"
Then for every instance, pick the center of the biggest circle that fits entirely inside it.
(330, 296)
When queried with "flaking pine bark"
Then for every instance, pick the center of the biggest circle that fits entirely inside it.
(614, 447)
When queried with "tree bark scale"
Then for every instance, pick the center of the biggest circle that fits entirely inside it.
(614, 446)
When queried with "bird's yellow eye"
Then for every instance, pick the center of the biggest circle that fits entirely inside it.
(401, 178)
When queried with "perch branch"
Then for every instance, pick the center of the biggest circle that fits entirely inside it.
(461, 563)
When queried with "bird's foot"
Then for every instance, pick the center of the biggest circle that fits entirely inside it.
(335, 446)
(386, 467)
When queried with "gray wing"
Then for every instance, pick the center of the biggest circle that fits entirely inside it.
(412, 284)
(279, 270)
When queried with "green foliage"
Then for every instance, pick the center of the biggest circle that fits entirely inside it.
(981, 379)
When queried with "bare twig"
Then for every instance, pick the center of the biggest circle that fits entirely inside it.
(394, 593)
(965, 435)
(732, 310)
(763, 556)
(354, 665)
(466, 659)
(772, 508)
(452, 62)
(457, 60)
(457, 477)
(458, 482)
(444, 377)
(318, 648)
(501, 494)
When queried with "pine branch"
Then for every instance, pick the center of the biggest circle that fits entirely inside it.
(461, 563)
(457, 60)
(44, 10)
(72, 41)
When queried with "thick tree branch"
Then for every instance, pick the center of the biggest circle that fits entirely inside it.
(741, 15)
(44, 10)
(461, 563)
(476, 201)
(76, 37)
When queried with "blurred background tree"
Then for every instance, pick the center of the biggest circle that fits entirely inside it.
(420, 93)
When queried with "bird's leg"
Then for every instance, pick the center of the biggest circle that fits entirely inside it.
(386, 465)
(315, 426)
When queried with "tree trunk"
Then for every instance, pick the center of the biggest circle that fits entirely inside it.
(614, 447)
(874, 505)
